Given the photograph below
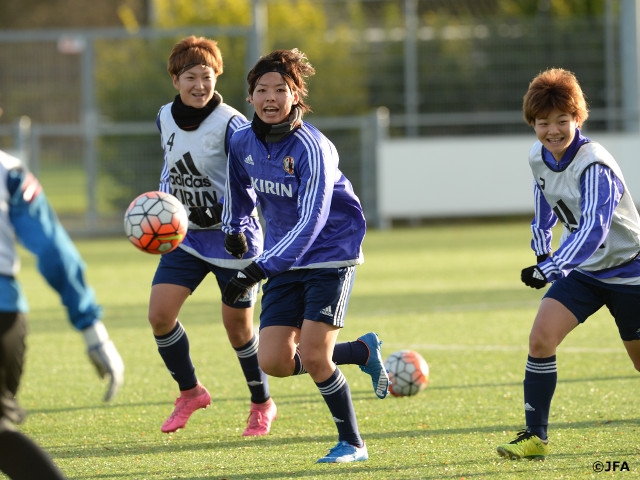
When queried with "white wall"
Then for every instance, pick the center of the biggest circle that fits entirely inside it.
(473, 176)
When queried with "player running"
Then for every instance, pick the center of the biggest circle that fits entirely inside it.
(315, 228)
(26, 216)
(195, 130)
(580, 184)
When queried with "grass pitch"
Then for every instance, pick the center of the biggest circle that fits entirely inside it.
(451, 292)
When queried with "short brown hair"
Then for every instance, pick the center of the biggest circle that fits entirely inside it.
(554, 89)
(192, 51)
(294, 68)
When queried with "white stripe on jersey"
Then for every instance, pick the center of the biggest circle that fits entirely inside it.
(588, 220)
(311, 193)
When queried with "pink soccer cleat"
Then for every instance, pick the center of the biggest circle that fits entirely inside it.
(188, 402)
(260, 417)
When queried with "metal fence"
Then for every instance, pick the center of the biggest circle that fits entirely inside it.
(80, 105)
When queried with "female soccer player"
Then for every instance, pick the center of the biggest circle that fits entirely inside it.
(195, 130)
(315, 228)
(580, 184)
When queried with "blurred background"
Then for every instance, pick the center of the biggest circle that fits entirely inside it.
(82, 80)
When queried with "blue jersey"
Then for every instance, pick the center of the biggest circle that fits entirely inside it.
(27, 216)
(313, 217)
(586, 191)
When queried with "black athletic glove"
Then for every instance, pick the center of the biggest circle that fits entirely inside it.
(542, 258)
(533, 277)
(206, 216)
(236, 245)
(241, 283)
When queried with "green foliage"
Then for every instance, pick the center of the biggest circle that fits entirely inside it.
(556, 8)
(291, 24)
(174, 13)
(215, 13)
(449, 291)
(124, 68)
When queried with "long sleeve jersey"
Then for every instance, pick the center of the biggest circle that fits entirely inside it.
(195, 170)
(585, 191)
(26, 216)
(313, 217)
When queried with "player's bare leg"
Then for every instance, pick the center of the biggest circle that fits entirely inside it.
(633, 349)
(278, 346)
(173, 345)
(317, 342)
(552, 324)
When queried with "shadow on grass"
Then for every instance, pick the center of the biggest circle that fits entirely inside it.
(483, 467)
(297, 398)
(152, 446)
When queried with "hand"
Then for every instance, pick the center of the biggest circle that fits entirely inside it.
(105, 357)
(241, 283)
(236, 245)
(533, 277)
(206, 216)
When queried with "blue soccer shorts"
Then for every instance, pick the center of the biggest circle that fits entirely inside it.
(318, 294)
(181, 268)
(584, 296)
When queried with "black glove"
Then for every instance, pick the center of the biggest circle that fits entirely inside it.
(533, 277)
(236, 245)
(206, 216)
(542, 258)
(242, 282)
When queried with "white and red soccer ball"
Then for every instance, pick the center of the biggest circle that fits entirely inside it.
(408, 372)
(156, 222)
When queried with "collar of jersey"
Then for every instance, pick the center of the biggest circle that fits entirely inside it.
(274, 133)
(568, 156)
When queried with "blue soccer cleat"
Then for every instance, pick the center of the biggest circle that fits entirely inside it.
(375, 366)
(344, 452)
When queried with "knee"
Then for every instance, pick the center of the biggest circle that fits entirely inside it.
(315, 363)
(239, 331)
(275, 366)
(161, 324)
(275, 369)
(541, 345)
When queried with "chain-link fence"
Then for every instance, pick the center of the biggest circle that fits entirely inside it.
(440, 67)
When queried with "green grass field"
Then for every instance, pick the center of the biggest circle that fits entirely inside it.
(451, 292)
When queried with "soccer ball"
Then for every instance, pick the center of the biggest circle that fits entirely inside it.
(156, 222)
(408, 372)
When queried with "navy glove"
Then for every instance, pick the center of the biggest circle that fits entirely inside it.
(533, 277)
(242, 282)
(236, 244)
(206, 216)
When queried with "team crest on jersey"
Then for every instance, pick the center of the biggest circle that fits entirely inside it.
(287, 163)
